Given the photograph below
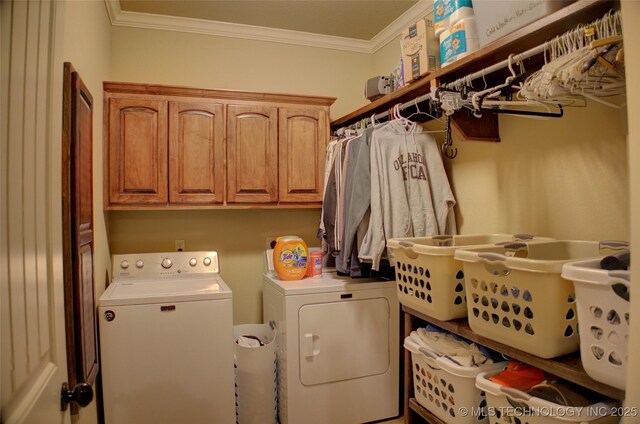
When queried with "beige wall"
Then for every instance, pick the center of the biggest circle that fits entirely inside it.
(239, 237)
(87, 39)
(386, 59)
(87, 42)
(195, 60)
(564, 178)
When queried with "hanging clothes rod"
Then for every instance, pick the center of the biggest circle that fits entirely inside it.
(613, 17)
(498, 66)
(403, 106)
(476, 75)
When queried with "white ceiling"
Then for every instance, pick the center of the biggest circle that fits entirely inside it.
(356, 25)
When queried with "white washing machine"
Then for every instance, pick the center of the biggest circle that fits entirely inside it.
(338, 348)
(166, 340)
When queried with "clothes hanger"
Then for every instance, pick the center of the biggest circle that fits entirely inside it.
(373, 121)
(408, 124)
(420, 112)
(478, 96)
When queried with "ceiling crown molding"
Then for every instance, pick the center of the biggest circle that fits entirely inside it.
(120, 17)
(393, 30)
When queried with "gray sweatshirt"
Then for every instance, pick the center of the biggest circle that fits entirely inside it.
(410, 192)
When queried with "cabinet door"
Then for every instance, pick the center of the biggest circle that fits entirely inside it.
(196, 152)
(252, 154)
(302, 143)
(137, 151)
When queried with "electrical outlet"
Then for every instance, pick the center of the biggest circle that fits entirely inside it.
(179, 245)
(269, 240)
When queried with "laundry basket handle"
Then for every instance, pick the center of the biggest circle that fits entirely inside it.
(407, 247)
(430, 358)
(620, 284)
(428, 353)
(515, 393)
(614, 245)
(494, 263)
(442, 240)
(517, 399)
(522, 237)
(492, 257)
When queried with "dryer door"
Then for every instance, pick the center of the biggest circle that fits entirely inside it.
(343, 340)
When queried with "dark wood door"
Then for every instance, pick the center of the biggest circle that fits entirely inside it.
(77, 193)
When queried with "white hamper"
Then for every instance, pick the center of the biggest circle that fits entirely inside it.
(256, 379)
(506, 405)
(445, 388)
(602, 299)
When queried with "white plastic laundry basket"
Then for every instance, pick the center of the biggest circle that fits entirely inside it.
(506, 405)
(446, 388)
(602, 299)
(256, 379)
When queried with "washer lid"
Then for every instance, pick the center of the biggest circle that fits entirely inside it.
(160, 290)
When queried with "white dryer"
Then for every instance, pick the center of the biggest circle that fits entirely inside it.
(166, 340)
(338, 348)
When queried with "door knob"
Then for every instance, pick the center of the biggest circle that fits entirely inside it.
(82, 394)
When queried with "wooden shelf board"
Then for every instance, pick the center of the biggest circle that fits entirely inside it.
(404, 94)
(534, 34)
(568, 367)
(423, 412)
(216, 206)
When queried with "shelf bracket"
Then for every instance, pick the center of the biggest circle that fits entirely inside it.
(470, 128)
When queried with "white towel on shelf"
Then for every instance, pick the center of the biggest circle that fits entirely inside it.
(444, 344)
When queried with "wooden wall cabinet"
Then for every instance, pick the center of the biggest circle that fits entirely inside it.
(173, 147)
(252, 153)
(196, 152)
(137, 151)
(302, 143)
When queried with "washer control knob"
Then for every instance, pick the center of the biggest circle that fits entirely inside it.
(139, 263)
(206, 261)
(193, 261)
(124, 264)
(166, 263)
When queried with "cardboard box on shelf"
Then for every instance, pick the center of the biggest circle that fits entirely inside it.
(420, 50)
(495, 19)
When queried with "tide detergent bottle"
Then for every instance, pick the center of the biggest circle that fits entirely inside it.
(290, 257)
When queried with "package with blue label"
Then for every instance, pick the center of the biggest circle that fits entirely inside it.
(459, 41)
(419, 50)
(448, 12)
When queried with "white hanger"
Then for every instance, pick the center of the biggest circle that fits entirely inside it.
(419, 112)
(475, 99)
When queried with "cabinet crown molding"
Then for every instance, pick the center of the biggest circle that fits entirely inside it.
(219, 94)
